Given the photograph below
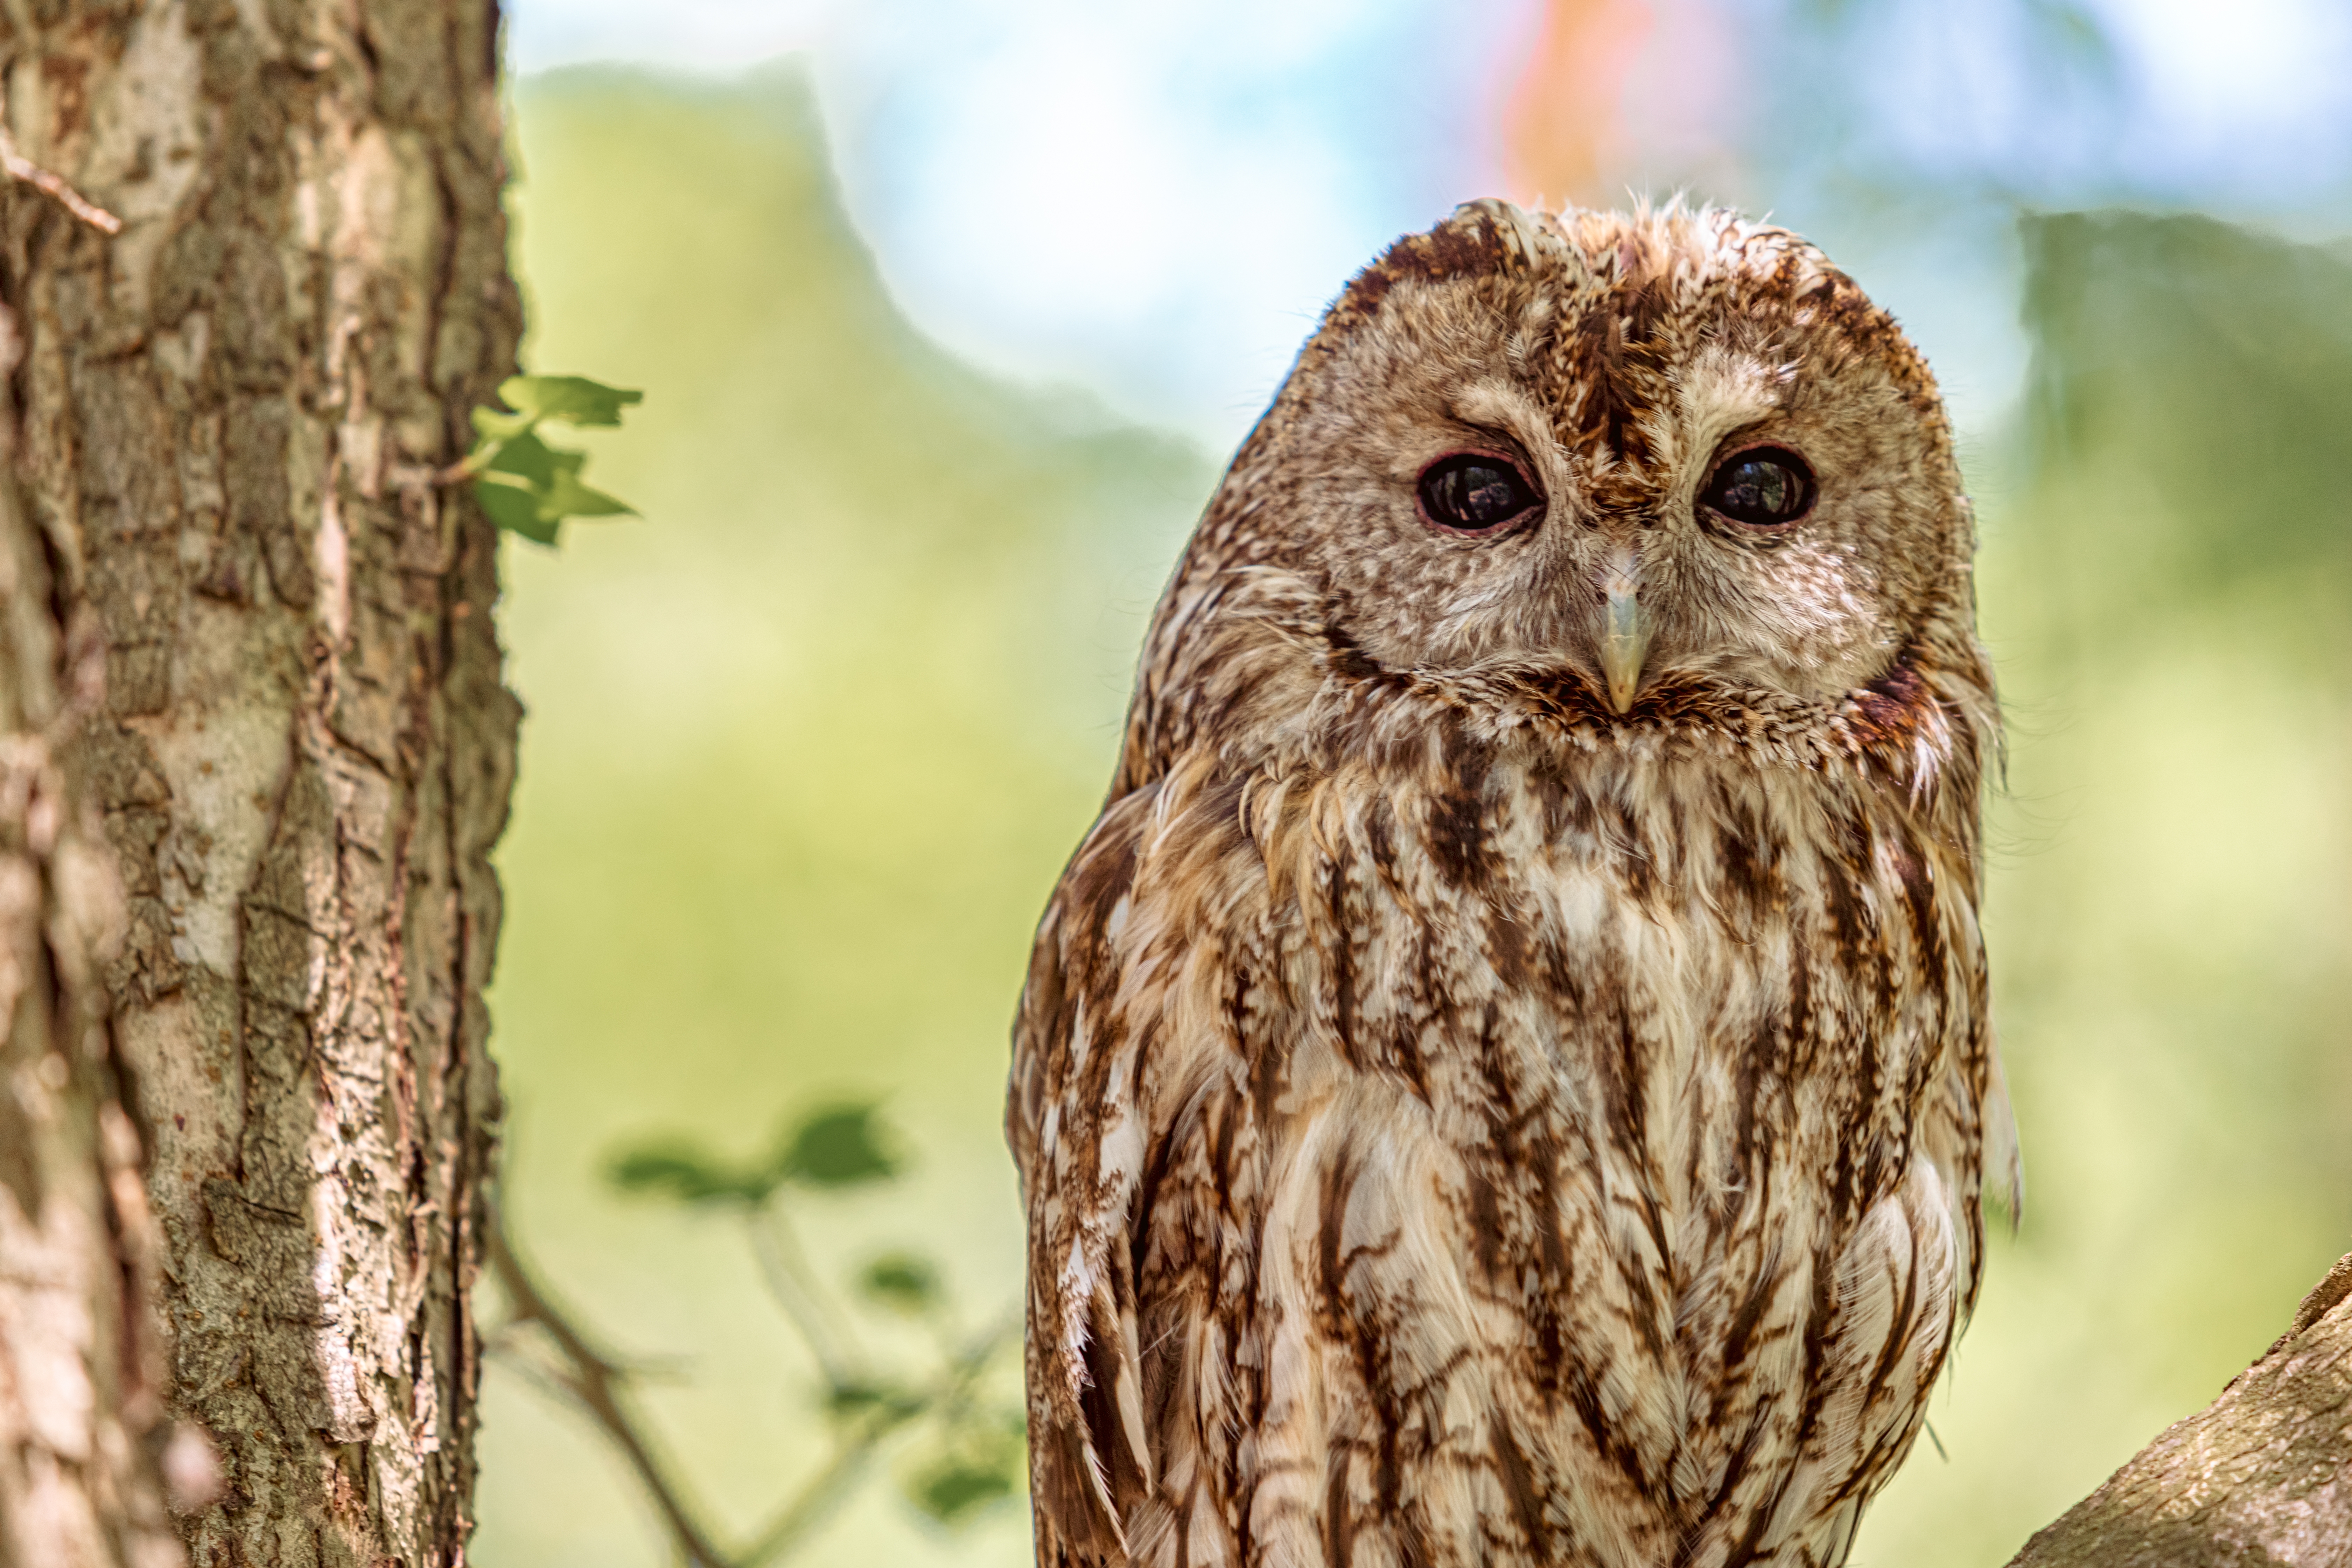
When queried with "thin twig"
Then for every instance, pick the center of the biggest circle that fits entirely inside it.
(825, 1490)
(784, 1266)
(19, 167)
(593, 1382)
(471, 466)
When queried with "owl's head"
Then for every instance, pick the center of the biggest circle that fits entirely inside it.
(1649, 451)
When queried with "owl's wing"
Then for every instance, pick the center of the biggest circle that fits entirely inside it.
(1077, 1125)
(1969, 1131)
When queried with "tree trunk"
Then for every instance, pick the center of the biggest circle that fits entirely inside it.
(81, 1376)
(248, 645)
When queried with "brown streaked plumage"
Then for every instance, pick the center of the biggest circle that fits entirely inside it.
(1507, 1078)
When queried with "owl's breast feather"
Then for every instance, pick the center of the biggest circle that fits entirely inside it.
(1582, 1148)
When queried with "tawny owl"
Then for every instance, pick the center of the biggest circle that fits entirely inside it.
(1507, 1078)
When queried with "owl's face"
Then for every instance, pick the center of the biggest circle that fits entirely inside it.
(1643, 449)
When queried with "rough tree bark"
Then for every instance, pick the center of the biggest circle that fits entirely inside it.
(245, 643)
(80, 1375)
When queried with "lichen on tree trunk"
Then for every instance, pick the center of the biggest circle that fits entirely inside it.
(231, 425)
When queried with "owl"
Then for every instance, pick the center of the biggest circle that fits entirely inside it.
(1506, 1080)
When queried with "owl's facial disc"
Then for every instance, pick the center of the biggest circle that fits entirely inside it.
(1687, 569)
(1716, 467)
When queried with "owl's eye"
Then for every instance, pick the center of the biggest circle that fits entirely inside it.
(1472, 492)
(1763, 487)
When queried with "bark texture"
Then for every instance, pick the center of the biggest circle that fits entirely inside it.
(80, 1372)
(229, 424)
(2261, 1476)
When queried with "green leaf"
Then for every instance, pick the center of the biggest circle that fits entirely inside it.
(529, 486)
(837, 1148)
(497, 425)
(515, 508)
(953, 1488)
(854, 1398)
(567, 497)
(527, 458)
(526, 486)
(845, 1400)
(902, 1281)
(679, 1171)
(574, 399)
(977, 1459)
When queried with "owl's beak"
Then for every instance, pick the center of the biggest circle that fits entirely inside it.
(1626, 628)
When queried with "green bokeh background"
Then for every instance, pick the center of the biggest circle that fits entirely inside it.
(808, 745)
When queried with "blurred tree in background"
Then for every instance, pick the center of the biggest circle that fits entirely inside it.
(807, 749)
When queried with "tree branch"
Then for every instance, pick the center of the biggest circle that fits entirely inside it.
(19, 167)
(784, 1267)
(595, 1383)
(592, 1380)
(818, 1497)
(2261, 1476)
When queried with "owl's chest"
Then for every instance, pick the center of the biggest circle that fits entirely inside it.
(1616, 1124)
(1671, 975)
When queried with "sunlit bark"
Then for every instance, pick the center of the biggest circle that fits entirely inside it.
(228, 426)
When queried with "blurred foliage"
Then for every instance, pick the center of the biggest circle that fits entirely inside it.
(904, 1282)
(966, 1444)
(2166, 588)
(958, 1428)
(2212, 367)
(800, 772)
(526, 486)
(839, 1148)
(801, 762)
